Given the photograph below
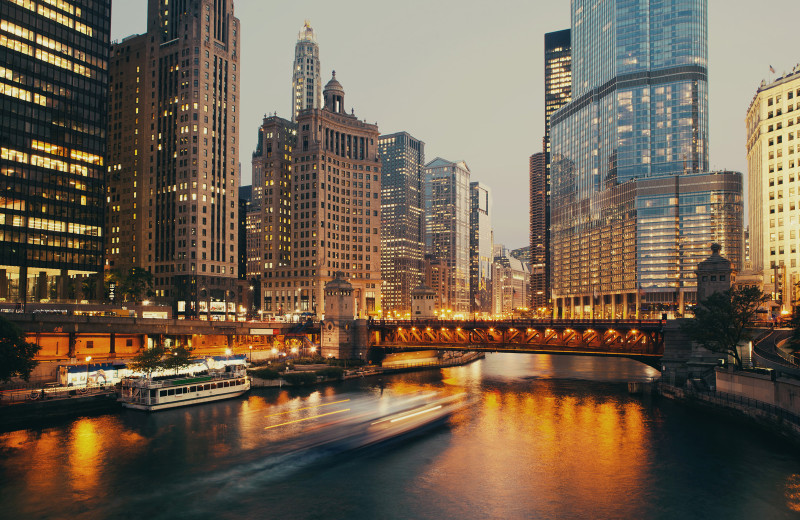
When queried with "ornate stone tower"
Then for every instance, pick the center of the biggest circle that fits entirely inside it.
(306, 81)
(423, 299)
(337, 328)
(713, 274)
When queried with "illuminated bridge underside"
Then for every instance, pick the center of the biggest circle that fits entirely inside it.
(643, 341)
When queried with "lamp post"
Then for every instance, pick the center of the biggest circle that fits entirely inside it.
(88, 358)
(251, 353)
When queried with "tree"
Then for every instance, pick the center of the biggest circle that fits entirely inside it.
(178, 357)
(148, 360)
(137, 282)
(16, 354)
(722, 320)
(794, 340)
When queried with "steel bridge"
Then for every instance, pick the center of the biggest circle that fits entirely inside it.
(642, 340)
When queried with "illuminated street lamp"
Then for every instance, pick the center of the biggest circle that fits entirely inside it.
(88, 358)
(228, 352)
(251, 353)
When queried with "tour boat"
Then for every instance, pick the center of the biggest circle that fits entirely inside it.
(159, 394)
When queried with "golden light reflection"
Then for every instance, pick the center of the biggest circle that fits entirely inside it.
(793, 492)
(85, 448)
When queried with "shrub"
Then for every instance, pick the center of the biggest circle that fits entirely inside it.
(266, 373)
(300, 378)
(331, 372)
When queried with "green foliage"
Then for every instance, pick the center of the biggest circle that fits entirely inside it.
(794, 340)
(137, 283)
(722, 320)
(300, 378)
(148, 360)
(178, 357)
(349, 363)
(331, 372)
(265, 373)
(16, 354)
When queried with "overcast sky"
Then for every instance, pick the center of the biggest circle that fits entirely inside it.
(466, 76)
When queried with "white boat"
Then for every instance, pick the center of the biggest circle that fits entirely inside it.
(148, 394)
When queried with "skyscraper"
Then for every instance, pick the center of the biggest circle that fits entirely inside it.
(447, 209)
(306, 80)
(333, 214)
(54, 85)
(557, 93)
(175, 145)
(773, 164)
(270, 235)
(538, 241)
(480, 248)
(633, 208)
(402, 223)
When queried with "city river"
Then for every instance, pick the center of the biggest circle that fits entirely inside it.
(543, 437)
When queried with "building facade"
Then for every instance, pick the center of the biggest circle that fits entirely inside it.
(481, 254)
(447, 236)
(178, 163)
(630, 161)
(270, 235)
(402, 223)
(557, 93)
(54, 86)
(334, 214)
(773, 164)
(510, 284)
(538, 251)
(306, 79)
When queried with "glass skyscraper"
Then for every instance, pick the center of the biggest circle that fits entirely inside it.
(402, 224)
(54, 85)
(635, 138)
(480, 247)
(447, 238)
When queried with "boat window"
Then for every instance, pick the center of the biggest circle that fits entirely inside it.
(227, 384)
(163, 393)
(171, 391)
(179, 391)
(193, 389)
(206, 387)
(153, 393)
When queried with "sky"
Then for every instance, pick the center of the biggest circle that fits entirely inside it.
(467, 76)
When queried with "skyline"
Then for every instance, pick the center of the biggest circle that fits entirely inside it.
(463, 85)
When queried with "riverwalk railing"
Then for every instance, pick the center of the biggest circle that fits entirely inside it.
(8, 397)
(729, 400)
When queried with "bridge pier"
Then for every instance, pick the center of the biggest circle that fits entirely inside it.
(72, 341)
(112, 348)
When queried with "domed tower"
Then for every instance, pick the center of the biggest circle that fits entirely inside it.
(334, 95)
(714, 274)
(306, 79)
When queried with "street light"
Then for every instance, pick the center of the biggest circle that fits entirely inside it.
(251, 353)
(88, 358)
(228, 352)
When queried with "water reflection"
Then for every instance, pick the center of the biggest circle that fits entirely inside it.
(547, 436)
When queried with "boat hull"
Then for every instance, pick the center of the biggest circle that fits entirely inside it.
(185, 402)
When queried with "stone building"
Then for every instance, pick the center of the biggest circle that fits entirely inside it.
(174, 180)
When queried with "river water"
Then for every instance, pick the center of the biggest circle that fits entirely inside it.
(544, 437)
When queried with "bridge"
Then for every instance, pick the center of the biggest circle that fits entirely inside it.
(642, 340)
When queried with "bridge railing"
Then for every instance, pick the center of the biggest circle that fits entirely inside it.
(52, 393)
(513, 322)
(724, 398)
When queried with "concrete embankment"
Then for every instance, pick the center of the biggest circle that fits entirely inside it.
(37, 412)
(766, 415)
(395, 368)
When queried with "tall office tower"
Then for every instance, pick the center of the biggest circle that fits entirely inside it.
(54, 84)
(480, 248)
(306, 79)
(538, 244)
(633, 208)
(245, 204)
(510, 283)
(557, 93)
(270, 236)
(335, 212)
(447, 208)
(402, 223)
(773, 166)
(176, 155)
